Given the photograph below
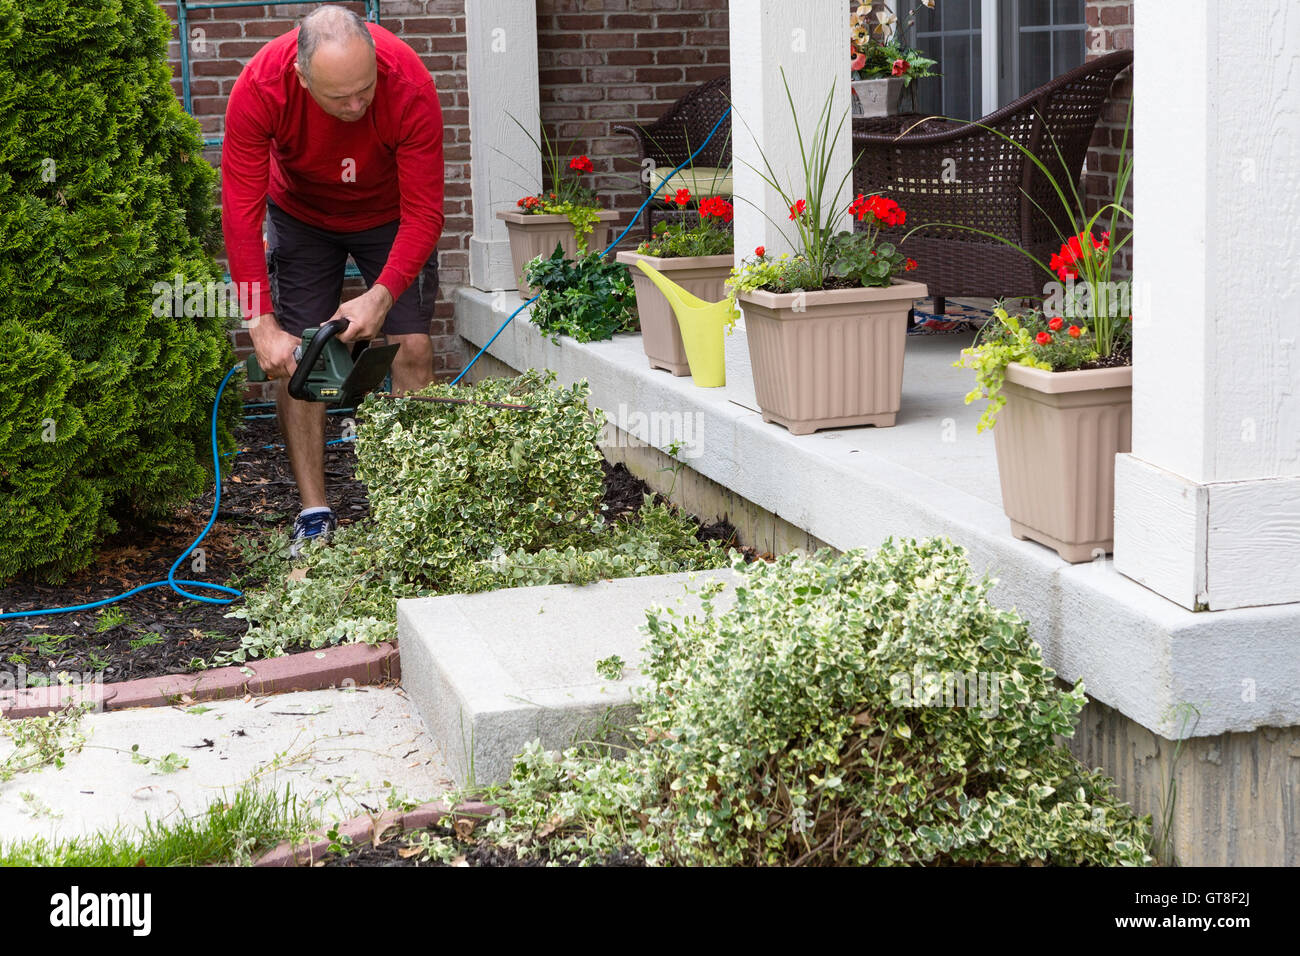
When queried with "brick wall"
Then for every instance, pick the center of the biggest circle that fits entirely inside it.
(603, 63)
(1110, 27)
(435, 29)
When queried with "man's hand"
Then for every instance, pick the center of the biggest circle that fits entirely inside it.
(273, 346)
(365, 314)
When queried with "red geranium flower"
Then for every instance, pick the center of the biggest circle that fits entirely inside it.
(798, 209)
(1065, 262)
(717, 206)
(1074, 331)
(760, 251)
(1043, 338)
(581, 163)
(900, 67)
(886, 211)
(911, 264)
(1056, 323)
(682, 198)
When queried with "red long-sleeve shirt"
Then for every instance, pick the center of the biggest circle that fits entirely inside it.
(340, 176)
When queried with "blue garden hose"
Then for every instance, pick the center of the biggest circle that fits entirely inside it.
(174, 582)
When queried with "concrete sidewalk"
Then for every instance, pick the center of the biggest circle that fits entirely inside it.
(343, 751)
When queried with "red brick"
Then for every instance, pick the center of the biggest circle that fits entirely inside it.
(665, 21)
(666, 74)
(606, 40)
(660, 39)
(1114, 16)
(583, 22)
(267, 28)
(242, 49)
(683, 55)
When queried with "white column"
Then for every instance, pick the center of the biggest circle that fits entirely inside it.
(1207, 507)
(811, 42)
(501, 60)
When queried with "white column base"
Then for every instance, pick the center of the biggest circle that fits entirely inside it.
(1211, 546)
(490, 266)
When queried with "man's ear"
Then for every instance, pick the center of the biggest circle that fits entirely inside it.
(301, 78)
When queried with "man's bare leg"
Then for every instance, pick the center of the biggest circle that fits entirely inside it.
(413, 364)
(303, 426)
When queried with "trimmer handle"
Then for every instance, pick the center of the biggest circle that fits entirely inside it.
(307, 359)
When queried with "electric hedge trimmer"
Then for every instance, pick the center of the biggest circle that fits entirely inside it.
(329, 372)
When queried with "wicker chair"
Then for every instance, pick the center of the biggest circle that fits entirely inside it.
(671, 138)
(990, 185)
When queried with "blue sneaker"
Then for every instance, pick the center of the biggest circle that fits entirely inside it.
(312, 526)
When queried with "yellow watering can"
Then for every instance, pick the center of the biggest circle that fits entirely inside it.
(702, 325)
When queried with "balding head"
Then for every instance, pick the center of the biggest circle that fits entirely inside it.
(336, 61)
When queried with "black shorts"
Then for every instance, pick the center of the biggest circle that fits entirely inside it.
(306, 268)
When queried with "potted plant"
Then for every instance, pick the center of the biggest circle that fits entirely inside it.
(1059, 384)
(697, 255)
(588, 298)
(826, 326)
(568, 214)
(883, 66)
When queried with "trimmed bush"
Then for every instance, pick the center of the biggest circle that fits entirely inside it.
(809, 724)
(105, 405)
(464, 497)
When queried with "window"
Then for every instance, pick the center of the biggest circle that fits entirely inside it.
(1041, 39)
(950, 33)
(991, 52)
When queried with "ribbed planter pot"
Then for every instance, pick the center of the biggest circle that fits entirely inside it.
(879, 97)
(702, 276)
(1056, 441)
(831, 358)
(532, 236)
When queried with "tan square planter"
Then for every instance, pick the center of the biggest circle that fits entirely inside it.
(532, 236)
(831, 358)
(702, 276)
(1056, 441)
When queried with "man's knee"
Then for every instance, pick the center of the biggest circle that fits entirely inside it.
(413, 348)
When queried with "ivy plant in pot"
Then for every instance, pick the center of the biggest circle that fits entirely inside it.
(1059, 384)
(568, 213)
(827, 326)
(697, 255)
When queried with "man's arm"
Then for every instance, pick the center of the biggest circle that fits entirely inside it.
(420, 178)
(245, 160)
(420, 181)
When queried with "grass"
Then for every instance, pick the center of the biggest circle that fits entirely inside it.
(252, 822)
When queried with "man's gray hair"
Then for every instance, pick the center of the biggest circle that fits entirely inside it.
(328, 24)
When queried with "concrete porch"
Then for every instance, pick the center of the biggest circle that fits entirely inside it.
(931, 474)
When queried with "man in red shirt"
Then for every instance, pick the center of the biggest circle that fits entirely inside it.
(334, 137)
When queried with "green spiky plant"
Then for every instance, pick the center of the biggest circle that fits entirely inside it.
(105, 408)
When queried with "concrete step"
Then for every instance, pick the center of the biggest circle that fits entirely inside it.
(491, 672)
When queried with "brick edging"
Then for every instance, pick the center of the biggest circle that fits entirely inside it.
(363, 829)
(310, 670)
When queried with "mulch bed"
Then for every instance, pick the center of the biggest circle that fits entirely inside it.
(157, 632)
(390, 853)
